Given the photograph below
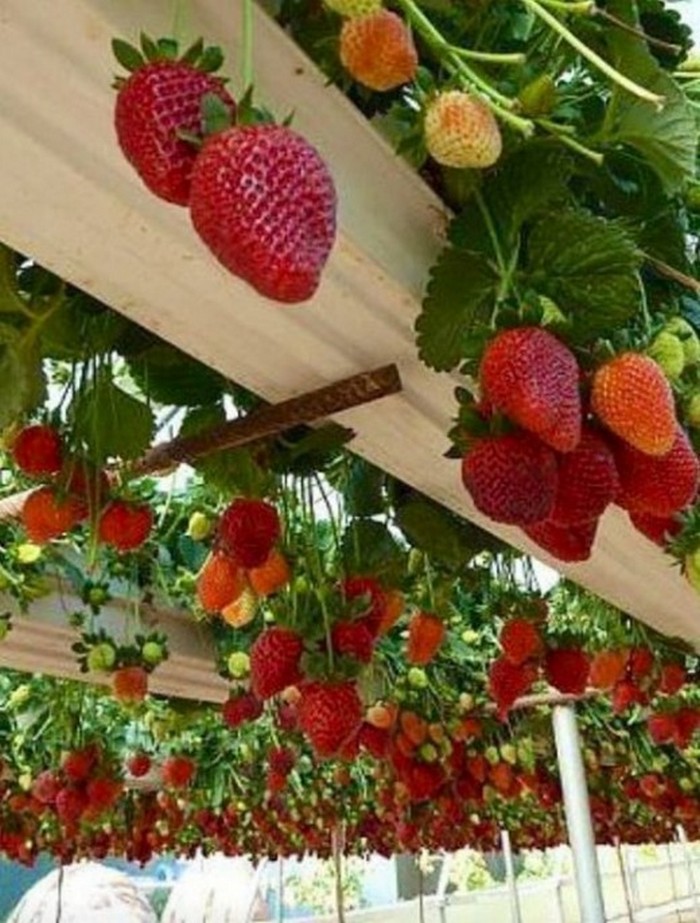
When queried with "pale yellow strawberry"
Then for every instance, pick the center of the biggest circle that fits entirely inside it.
(242, 610)
(461, 131)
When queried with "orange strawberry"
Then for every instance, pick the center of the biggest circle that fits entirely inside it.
(393, 610)
(271, 576)
(130, 685)
(378, 51)
(607, 668)
(632, 397)
(241, 611)
(426, 633)
(220, 582)
(461, 131)
(414, 727)
(45, 515)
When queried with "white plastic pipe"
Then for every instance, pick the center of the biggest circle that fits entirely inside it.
(578, 815)
(515, 914)
(683, 839)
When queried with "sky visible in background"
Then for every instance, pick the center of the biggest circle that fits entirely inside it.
(690, 12)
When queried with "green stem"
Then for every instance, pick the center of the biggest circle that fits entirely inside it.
(496, 244)
(317, 565)
(247, 69)
(591, 56)
(489, 57)
(581, 8)
(178, 21)
(563, 134)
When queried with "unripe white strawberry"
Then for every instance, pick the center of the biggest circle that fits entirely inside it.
(461, 131)
(351, 8)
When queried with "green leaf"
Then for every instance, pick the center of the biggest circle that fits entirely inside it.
(169, 376)
(369, 547)
(216, 115)
(167, 48)
(211, 60)
(589, 267)
(110, 422)
(11, 302)
(193, 53)
(363, 489)
(460, 296)
(128, 56)
(148, 47)
(21, 370)
(81, 327)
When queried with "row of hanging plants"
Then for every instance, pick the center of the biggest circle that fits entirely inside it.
(374, 644)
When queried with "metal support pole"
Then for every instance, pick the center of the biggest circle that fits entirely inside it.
(280, 889)
(515, 914)
(674, 883)
(443, 883)
(625, 880)
(578, 815)
(683, 839)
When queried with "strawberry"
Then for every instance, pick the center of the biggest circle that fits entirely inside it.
(687, 723)
(507, 682)
(130, 685)
(424, 781)
(38, 451)
(45, 515)
(350, 8)
(374, 740)
(281, 760)
(247, 531)
(625, 694)
(511, 478)
(329, 715)
(78, 764)
(273, 574)
(353, 639)
(588, 481)
(161, 99)
(240, 708)
(461, 131)
(567, 543)
(138, 764)
(46, 786)
(274, 661)
(369, 589)
(426, 632)
(640, 663)
(659, 530)
(71, 804)
(220, 582)
(102, 794)
(531, 377)
(659, 486)
(178, 771)
(377, 50)
(662, 727)
(242, 610)
(264, 203)
(520, 640)
(567, 669)
(125, 525)
(607, 668)
(673, 678)
(633, 399)
(393, 610)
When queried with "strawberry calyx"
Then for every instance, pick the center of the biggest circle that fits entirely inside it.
(207, 59)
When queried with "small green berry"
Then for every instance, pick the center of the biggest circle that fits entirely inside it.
(199, 526)
(152, 653)
(417, 678)
(101, 658)
(238, 664)
(667, 351)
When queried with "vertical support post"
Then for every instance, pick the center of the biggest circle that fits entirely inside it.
(442, 886)
(515, 914)
(338, 846)
(625, 880)
(674, 881)
(683, 840)
(280, 889)
(578, 815)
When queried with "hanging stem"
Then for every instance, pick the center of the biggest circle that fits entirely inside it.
(247, 71)
(591, 56)
(178, 20)
(337, 847)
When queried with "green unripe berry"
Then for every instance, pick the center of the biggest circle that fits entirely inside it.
(199, 526)
(417, 678)
(692, 410)
(28, 553)
(680, 328)
(428, 752)
(539, 97)
(152, 653)
(101, 658)
(238, 664)
(667, 351)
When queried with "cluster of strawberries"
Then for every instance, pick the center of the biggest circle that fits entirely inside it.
(73, 494)
(260, 196)
(377, 50)
(568, 456)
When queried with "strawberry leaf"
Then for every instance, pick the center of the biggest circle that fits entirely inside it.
(129, 57)
(216, 115)
(460, 298)
(369, 547)
(148, 47)
(193, 53)
(20, 364)
(169, 376)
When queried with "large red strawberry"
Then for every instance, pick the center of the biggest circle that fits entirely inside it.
(426, 632)
(660, 486)
(588, 481)
(274, 661)
(159, 101)
(240, 708)
(520, 640)
(264, 203)
(45, 515)
(220, 582)
(368, 589)
(130, 685)
(566, 543)
(662, 727)
(511, 478)
(567, 669)
(353, 639)
(125, 525)
(329, 715)
(247, 531)
(78, 764)
(138, 764)
(673, 678)
(659, 530)
(531, 377)
(507, 682)
(38, 450)
(178, 771)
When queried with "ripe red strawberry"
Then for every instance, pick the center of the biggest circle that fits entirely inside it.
(627, 693)
(38, 450)
(374, 740)
(287, 717)
(426, 632)
(511, 478)
(281, 760)
(354, 639)
(377, 50)
(78, 764)
(329, 715)
(159, 100)
(240, 708)
(520, 640)
(658, 530)
(687, 723)
(138, 764)
(274, 661)
(71, 804)
(507, 682)
(640, 663)
(662, 727)
(567, 543)
(125, 525)
(588, 481)
(369, 589)
(130, 685)
(102, 794)
(178, 771)
(567, 669)
(531, 377)
(424, 781)
(45, 515)
(46, 786)
(247, 531)
(220, 582)
(660, 486)
(632, 397)
(607, 668)
(264, 203)
(461, 131)
(673, 678)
